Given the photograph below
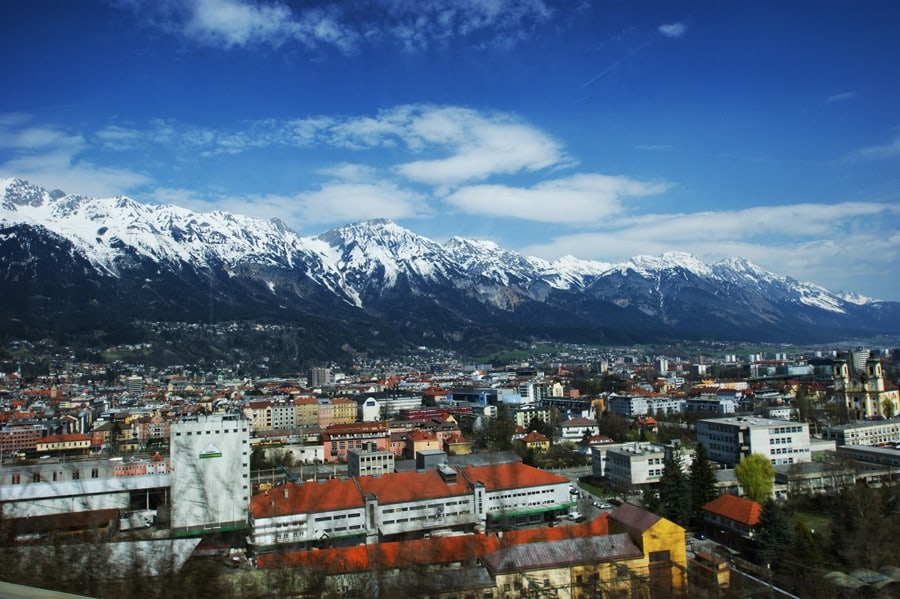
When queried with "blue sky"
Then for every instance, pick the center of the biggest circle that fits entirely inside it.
(604, 130)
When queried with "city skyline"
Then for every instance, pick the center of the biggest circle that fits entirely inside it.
(601, 131)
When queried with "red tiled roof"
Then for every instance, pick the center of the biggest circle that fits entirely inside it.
(409, 486)
(65, 438)
(421, 435)
(534, 437)
(739, 509)
(333, 494)
(438, 550)
(514, 475)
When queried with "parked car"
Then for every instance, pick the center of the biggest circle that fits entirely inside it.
(603, 505)
(699, 536)
(574, 516)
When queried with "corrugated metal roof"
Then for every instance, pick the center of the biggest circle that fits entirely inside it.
(566, 552)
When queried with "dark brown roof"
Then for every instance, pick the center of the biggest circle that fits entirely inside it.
(633, 517)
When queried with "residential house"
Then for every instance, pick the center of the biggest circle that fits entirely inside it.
(420, 440)
(731, 520)
(536, 442)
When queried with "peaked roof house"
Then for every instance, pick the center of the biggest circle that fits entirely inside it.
(536, 441)
(661, 540)
(731, 519)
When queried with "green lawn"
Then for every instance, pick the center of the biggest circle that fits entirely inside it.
(814, 521)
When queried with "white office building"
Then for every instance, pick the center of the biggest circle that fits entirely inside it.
(728, 440)
(210, 473)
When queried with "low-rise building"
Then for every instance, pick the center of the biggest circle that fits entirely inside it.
(731, 519)
(407, 504)
(576, 429)
(872, 433)
(68, 443)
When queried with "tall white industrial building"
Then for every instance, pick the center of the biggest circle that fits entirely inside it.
(210, 473)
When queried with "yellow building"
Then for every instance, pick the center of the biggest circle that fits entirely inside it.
(536, 442)
(306, 412)
(344, 410)
(661, 541)
(577, 568)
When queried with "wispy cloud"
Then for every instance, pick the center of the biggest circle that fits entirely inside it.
(583, 199)
(347, 25)
(55, 157)
(456, 144)
(333, 202)
(673, 30)
(841, 97)
(880, 152)
(825, 242)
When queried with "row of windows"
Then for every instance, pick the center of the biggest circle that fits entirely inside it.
(16, 477)
(780, 440)
(785, 429)
(523, 494)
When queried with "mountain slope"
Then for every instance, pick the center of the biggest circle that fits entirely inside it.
(76, 263)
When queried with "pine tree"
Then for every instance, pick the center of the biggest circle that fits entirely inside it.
(674, 489)
(774, 535)
(703, 484)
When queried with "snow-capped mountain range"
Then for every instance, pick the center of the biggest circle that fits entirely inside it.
(167, 262)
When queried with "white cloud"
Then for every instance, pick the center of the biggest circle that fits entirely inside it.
(344, 25)
(54, 158)
(235, 23)
(833, 245)
(584, 199)
(673, 30)
(841, 97)
(334, 202)
(888, 150)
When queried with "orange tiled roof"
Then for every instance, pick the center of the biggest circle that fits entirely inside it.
(534, 437)
(421, 435)
(739, 509)
(333, 494)
(438, 550)
(412, 485)
(514, 475)
(65, 438)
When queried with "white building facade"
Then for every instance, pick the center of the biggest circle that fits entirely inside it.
(210, 458)
(728, 440)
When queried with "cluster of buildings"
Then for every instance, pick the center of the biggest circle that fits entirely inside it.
(414, 492)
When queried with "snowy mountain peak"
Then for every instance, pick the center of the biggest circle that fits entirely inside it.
(364, 263)
(668, 261)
